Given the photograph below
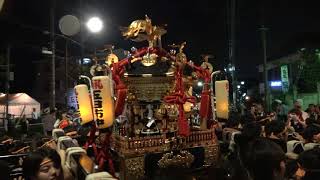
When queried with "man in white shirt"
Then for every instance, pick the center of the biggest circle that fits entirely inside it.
(34, 115)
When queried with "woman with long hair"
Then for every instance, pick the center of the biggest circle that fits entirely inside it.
(43, 164)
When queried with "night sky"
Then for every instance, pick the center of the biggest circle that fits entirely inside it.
(202, 23)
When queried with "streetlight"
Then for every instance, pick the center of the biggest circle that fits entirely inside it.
(95, 24)
(70, 25)
(242, 82)
(231, 69)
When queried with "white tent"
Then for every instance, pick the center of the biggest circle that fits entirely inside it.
(19, 104)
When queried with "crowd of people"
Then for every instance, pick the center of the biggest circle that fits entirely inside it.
(281, 144)
(36, 156)
(48, 120)
(256, 145)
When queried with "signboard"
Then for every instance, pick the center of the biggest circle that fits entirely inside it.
(72, 99)
(285, 78)
(276, 83)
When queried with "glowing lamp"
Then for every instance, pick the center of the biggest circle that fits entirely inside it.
(103, 101)
(222, 99)
(187, 106)
(84, 103)
(95, 24)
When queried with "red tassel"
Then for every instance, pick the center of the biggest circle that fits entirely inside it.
(184, 129)
(119, 104)
(104, 155)
(204, 104)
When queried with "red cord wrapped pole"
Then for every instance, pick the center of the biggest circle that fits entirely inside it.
(180, 98)
(104, 155)
(205, 102)
(91, 141)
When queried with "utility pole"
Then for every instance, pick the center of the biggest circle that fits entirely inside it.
(53, 57)
(81, 35)
(232, 47)
(265, 69)
(7, 87)
(66, 73)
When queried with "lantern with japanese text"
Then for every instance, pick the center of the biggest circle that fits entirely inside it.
(103, 101)
(84, 103)
(222, 98)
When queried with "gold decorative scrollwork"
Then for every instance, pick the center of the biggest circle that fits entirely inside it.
(211, 155)
(184, 159)
(135, 167)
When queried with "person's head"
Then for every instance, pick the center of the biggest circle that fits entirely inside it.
(317, 108)
(42, 164)
(233, 121)
(260, 107)
(311, 134)
(34, 109)
(294, 114)
(297, 105)
(251, 130)
(253, 108)
(309, 162)
(311, 108)
(64, 115)
(310, 121)
(276, 129)
(264, 160)
(205, 58)
(276, 105)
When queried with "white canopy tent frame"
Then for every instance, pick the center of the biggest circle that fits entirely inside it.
(20, 104)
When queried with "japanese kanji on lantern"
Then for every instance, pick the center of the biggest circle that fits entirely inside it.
(84, 103)
(103, 101)
(222, 98)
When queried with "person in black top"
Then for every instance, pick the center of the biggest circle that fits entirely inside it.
(276, 131)
(311, 134)
(263, 160)
(309, 162)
